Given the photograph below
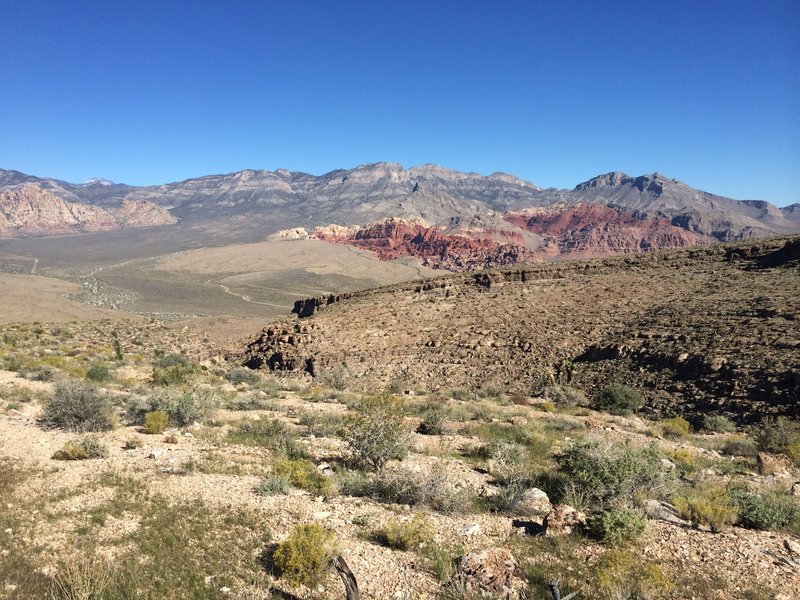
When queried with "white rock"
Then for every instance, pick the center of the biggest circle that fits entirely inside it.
(155, 453)
(471, 530)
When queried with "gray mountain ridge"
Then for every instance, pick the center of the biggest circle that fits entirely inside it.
(439, 196)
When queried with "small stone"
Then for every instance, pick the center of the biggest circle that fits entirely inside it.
(534, 502)
(562, 519)
(518, 420)
(9, 531)
(224, 590)
(792, 546)
(471, 530)
(668, 464)
(155, 453)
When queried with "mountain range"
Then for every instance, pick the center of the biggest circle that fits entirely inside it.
(447, 218)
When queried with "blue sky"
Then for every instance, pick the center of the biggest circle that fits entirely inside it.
(554, 92)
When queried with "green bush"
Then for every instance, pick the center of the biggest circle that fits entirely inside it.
(82, 448)
(156, 422)
(769, 511)
(98, 373)
(183, 408)
(775, 434)
(267, 433)
(305, 555)
(564, 396)
(78, 406)
(406, 535)
(377, 433)
(739, 446)
(273, 485)
(173, 360)
(303, 474)
(621, 574)
(676, 427)
(238, 375)
(617, 526)
(718, 424)
(619, 399)
(433, 420)
(611, 475)
(404, 486)
(710, 506)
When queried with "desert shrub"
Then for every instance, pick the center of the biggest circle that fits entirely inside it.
(238, 375)
(88, 446)
(377, 433)
(156, 422)
(406, 535)
(793, 451)
(303, 474)
(610, 475)
(619, 399)
(617, 526)
(78, 406)
(305, 555)
(267, 433)
(132, 443)
(621, 574)
(433, 420)
(336, 378)
(321, 424)
(354, 483)
(718, 424)
(739, 446)
(273, 485)
(684, 460)
(766, 511)
(87, 578)
(710, 506)
(503, 457)
(97, 372)
(676, 427)
(183, 408)
(172, 369)
(776, 433)
(564, 396)
(434, 489)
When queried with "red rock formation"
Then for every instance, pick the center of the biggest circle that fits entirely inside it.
(392, 238)
(598, 230)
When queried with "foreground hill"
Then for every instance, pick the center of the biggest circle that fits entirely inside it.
(449, 219)
(713, 327)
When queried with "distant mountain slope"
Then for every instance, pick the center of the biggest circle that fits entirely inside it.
(458, 203)
(27, 210)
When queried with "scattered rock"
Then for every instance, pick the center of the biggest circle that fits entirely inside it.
(471, 530)
(792, 546)
(155, 453)
(561, 519)
(534, 502)
(488, 571)
(774, 464)
(518, 420)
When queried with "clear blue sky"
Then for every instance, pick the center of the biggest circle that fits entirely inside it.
(555, 92)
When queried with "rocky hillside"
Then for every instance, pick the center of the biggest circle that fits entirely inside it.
(28, 210)
(441, 197)
(692, 329)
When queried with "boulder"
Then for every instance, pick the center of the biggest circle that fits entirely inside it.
(774, 464)
(534, 503)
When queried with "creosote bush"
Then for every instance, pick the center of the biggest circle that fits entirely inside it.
(156, 422)
(81, 449)
(172, 369)
(238, 375)
(305, 555)
(676, 427)
(183, 408)
(775, 434)
(617, 526)
(78, 406)
(98, 373)
(377, 432)
(433, 420)
(710, 506)
(621, 574)
(613, 475)
(772, 510)
(406, 535)
(564, 396)
(273, 485)
(718, 424)
(303, 474)
(619, 399)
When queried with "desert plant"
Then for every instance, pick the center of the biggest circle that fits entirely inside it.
(97, 372)
(305, 555)
(435, 489)
(711, 506)
(739, 446)
(238, 375)
(156, 422)
(611, 475)
(183, 408)
(82, 448)
(676, 427)
(718, 424)
(273, 485)
(619, 399)
(78, 406)
(776, 433)
(267, 433)
(406, 535)
(132, 443)
(433, 420)
(303, 474)
(377, 433)
(773, 510)
(621, 574)
(564, 396)
(617, 526)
